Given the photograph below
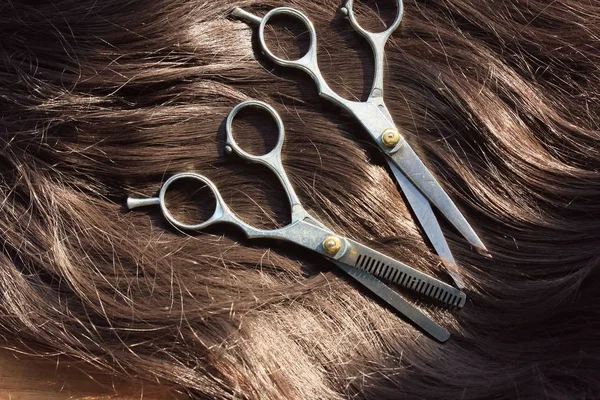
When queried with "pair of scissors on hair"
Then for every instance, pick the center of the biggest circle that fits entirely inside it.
(361, 262)
(415, 180)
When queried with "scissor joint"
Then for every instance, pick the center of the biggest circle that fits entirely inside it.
(392, 139)
(334, 246)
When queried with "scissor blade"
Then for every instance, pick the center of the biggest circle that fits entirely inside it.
(392, 298)
(428, 221)
(389, 269)
(412, 166)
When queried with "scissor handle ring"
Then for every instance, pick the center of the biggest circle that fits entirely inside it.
(217, 216)
(275, 152)
(307, 58)
(349, 10)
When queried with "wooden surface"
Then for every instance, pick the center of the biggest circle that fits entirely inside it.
(28, 378)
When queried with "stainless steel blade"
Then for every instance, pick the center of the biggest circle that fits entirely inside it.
(394, 300)
(389, 269)
(428, 221)
(410, 164)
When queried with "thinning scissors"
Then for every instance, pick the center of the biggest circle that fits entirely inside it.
(416, 181)
(361, 262)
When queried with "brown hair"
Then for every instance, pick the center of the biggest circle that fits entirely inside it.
(104, 99)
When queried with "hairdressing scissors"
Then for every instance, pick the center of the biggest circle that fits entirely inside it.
(361, 262)
(416, 181)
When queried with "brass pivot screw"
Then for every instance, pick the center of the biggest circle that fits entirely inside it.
(391, 137)
(332, 245)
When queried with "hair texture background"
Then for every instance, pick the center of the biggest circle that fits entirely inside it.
(104, 99)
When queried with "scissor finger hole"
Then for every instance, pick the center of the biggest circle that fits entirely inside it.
(190, 201)
(287, 37)
(255, 131)
(376, 15)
